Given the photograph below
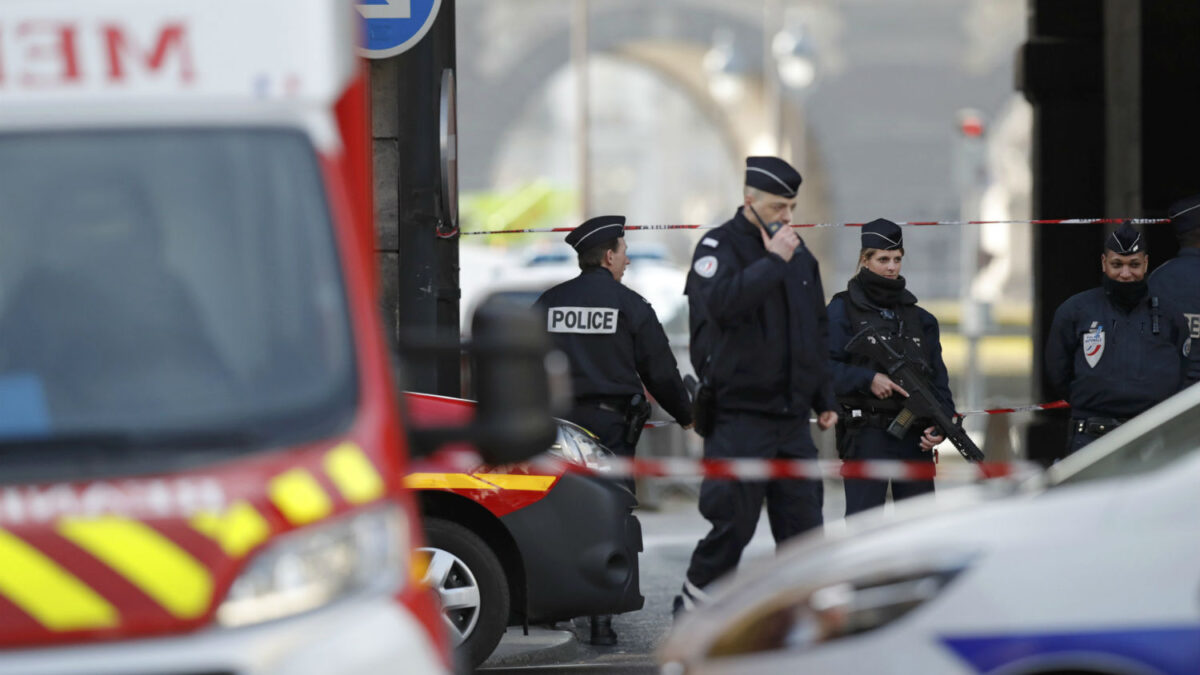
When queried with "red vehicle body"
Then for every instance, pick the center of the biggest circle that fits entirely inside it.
(201, 452)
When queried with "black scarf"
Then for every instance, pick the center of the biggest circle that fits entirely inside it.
(1126, 294)
(881, 291)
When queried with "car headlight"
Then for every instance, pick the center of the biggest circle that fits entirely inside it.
(807, 618)
(317, 565)
(578, 445)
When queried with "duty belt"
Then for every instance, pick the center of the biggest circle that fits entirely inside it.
(617, 404)
(1096, 426)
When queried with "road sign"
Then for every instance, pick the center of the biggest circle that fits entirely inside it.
(393, 26)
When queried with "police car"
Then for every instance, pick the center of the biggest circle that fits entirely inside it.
(1093, 567)
(522, 544)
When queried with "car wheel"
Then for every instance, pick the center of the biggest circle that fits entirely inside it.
(472, 587)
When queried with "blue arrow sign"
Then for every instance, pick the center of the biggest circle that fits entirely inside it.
(393, 26)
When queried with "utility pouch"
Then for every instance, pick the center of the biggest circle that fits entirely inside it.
(635, 418)
(704, 409)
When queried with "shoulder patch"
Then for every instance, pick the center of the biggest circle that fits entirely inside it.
(706, 266)
(709, 241)
(1093, 344)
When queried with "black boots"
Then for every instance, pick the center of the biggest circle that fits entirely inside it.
(602, 631)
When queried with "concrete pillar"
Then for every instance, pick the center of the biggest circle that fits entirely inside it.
(419, 268)
(1061, 73)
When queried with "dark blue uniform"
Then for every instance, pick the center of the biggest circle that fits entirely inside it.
(615, 343)
(863, 436)
(758, 335)
(1177, 285)
(1111, 364)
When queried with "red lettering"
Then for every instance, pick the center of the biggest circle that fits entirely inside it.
(172, 34)
(61, 49)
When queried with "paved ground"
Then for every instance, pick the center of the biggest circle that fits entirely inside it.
(669, 533)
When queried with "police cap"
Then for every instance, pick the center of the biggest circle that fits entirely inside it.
(773, 175)
(1185, 214)
(882, 234)
(596, 231)
(1125, 241)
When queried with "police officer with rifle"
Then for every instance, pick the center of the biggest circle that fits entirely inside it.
(889, 377)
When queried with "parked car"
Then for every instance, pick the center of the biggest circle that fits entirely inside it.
(1091, 568)
(523, 544)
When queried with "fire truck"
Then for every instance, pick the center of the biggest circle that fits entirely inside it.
(201, 450)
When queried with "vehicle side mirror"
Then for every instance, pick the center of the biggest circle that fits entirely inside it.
(515, 373)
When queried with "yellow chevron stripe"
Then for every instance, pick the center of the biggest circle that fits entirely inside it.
(153, 563)
(238, 530)
(512, 481)
(353, 474)
(300, 497)
(479, 481)
(47, 592)
(446, 481)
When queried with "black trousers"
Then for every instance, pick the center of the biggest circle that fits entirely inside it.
(609, 427)
(873, 443)
(732, 507)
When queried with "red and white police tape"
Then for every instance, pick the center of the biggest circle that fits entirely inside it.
(922, 223)
(775, 469)
(755, 469)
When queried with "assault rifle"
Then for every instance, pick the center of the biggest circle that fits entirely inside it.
(921, 402)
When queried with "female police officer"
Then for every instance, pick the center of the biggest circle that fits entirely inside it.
(876, 297)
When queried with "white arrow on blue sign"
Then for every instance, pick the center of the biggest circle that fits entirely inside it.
(393, 26)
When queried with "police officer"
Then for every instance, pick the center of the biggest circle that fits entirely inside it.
(611, 337)
(876, 296)
(759, 340)
(1112, 350)
(614, 343)
(1177, 282)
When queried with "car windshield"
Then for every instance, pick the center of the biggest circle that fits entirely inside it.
(1166, 434)
(156, 284)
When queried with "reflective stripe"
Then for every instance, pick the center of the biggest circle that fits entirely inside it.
(508, 481)
(47, 592)
(353, 474)
(238, 530)
(153, 563)
(447, 481)
(479, 481)
(300, 497)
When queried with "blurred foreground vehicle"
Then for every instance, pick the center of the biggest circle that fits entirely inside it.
(201, 451)
(1092, 568)
(522, 544)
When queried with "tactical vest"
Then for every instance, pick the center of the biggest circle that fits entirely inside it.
(900, 326)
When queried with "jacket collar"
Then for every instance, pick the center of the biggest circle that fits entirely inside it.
(743, 226)
(596, 271)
